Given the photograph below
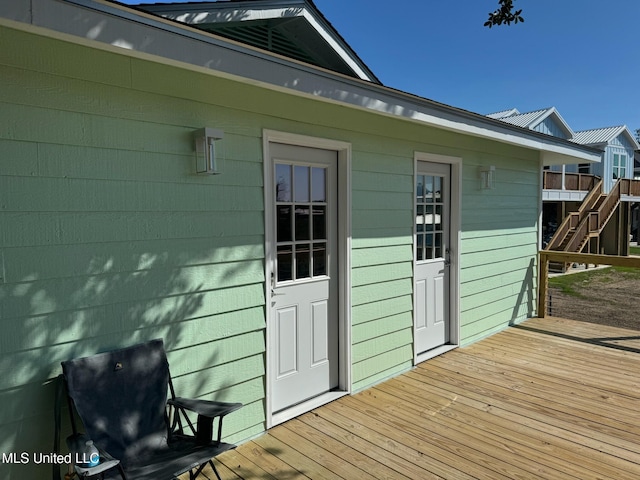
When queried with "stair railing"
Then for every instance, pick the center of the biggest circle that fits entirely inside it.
(577, 239)
(610, 203)
(595, 221)
(572, 220)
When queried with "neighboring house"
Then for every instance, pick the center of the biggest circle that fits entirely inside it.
(352, 230)
(635, 208)
(546, 120)
(618, 145)
(566, 186)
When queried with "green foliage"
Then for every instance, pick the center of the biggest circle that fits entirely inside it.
(505, 14)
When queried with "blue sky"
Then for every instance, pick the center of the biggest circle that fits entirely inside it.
(580, 56)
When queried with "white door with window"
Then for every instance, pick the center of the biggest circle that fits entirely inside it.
(304, 284)
(432, 262)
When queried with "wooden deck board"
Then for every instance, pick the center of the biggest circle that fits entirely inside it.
(551, 398)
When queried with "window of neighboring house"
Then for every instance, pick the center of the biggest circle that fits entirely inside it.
(619, 165)
(583, 168)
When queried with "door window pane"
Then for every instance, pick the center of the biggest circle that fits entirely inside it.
(319, 184)
(428, 218)
(428, 189)
(437, 189)
(420, 188)
(319, 259)
(420, 247)
(319, 222)
(437, 219)
(283, 183)
(437, 246)
(284, 223)
(285, 263)
(303, 261)
(301, 177)
(302, 221)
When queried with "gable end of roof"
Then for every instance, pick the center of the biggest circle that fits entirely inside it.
(292, 28)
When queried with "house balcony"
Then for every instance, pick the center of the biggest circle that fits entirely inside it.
(565, 186)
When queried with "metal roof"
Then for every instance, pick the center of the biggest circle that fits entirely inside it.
(599, 136)
(525, 120)
(504, 114)
(532, 119)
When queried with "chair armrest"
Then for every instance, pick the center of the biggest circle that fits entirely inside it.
(205, 408)
(207, 411)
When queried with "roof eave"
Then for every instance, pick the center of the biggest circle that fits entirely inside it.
(250, 66)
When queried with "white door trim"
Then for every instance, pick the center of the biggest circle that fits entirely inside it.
(454, 239)
(344, 265)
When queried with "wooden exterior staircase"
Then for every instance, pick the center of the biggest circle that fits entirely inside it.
(596, 209)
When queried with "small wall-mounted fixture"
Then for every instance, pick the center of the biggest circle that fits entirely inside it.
(208, 155)
(488, 178)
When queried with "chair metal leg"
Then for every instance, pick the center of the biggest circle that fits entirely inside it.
(215, 470)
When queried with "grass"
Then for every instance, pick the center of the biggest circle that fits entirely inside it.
(634, 250)
(568, 283)
(572, 284)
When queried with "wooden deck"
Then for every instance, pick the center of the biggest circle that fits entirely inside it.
(551, 398)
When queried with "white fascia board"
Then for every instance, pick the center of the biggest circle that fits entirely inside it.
(98, 24)
(632, 140)
(336, 45)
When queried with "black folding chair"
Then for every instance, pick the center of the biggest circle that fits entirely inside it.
(127, 404)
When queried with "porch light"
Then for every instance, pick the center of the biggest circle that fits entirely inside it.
(208, 155)
(488, 177)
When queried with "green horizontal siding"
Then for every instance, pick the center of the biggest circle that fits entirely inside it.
(60, 261)
(383, 255)
(379, 327)
(381, 309)
(108, 237)
(498, 275)
(382, 261)
(377, 368)
(380, 273)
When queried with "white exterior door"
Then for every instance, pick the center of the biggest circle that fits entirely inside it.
(304, 283)
(431, 271)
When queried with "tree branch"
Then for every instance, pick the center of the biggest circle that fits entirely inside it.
(504, 14)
